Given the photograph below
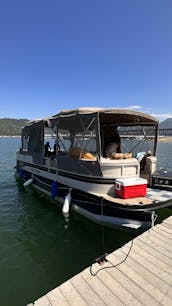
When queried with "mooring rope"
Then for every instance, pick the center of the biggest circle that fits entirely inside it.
(102, 259)
(102, 227)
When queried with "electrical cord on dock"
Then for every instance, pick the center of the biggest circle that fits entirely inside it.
(102, 259)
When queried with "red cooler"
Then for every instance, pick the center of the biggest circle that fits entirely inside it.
(130, 187)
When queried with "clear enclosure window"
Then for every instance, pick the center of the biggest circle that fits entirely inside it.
(137, 139)
(77, 133)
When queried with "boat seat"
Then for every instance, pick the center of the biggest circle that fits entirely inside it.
(128, 167)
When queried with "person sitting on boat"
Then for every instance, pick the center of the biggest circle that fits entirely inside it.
(109, 136)
(143, 161)
(47, 149)
(114, 145)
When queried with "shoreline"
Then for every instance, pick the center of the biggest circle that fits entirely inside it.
(160, 139)
(165, 139)
(10, 136)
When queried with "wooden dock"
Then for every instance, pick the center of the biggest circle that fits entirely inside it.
(144, 278)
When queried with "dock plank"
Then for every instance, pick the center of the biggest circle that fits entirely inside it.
(102, 290)
(144, 289)
(170, 291)
(157, 239)
(164, 233)
(168, 225)
(165, 228)
(153, 251)
(158, 284)
(127, 285)
(153, 242)
(161, 266)
(167, 221)
(44, 300)
(151, 263)
(144, 278)
(86, 290)
(166, 301)
(57, 297)
(118, 289)
(71, 294)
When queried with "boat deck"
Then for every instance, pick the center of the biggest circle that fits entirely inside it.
(152, 196)
(143, 278)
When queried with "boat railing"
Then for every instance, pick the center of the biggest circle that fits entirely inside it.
(50, 162)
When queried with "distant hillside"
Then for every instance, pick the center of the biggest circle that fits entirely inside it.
(11, 127)
(166, 124)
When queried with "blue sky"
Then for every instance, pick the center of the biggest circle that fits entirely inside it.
(77, 53)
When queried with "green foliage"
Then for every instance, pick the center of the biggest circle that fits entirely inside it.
(11, 127)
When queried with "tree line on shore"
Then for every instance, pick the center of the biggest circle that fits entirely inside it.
(11, 127)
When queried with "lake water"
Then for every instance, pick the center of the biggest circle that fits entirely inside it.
(39, 249)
